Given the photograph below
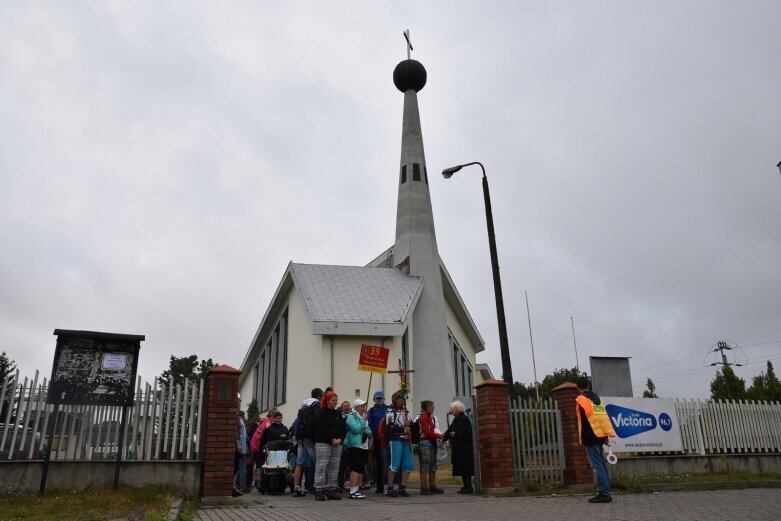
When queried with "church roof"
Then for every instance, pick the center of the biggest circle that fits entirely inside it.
(350, 300)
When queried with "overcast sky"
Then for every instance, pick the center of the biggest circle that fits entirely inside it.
(162, 162)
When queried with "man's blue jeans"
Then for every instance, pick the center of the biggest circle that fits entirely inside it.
(598, 463)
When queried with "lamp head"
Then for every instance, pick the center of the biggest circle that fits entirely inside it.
(447, 173)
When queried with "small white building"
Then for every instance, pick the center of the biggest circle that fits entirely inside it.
(403, 300)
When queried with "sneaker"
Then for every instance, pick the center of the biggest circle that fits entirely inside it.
(469, 490)
(319, 496)
(424, 491)
(355, 495)
(236, 493)
(600, 498)
(299, 493)
(403, 491)
(393, 493)
(334, 496)
(435, 489)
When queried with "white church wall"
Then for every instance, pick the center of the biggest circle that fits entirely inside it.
(346, 377)
(305, 357)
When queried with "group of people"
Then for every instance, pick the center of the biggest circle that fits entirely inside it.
(334, 446)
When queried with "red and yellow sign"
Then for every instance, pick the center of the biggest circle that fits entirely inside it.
(373, 359)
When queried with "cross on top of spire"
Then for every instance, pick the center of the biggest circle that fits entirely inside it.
(409, 43)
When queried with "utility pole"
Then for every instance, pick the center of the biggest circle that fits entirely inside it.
(722, 345)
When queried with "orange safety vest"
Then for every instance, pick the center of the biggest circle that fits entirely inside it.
(597, 418)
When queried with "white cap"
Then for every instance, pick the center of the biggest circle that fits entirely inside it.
(358, 402)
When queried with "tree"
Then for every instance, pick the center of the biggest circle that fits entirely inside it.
(765, 386)
(253, 412)
(550, 382)
(650, 392)
(185, 367)
(727, 386)
(555, 379)
(7, 369)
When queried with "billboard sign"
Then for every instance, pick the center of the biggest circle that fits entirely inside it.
(94, 368)
(643, 424)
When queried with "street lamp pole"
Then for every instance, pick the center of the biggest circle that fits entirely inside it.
(507, 370)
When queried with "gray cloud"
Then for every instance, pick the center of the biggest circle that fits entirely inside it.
(161, 164)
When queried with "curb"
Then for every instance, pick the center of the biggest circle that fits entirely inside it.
(173, 512)
(710, 485)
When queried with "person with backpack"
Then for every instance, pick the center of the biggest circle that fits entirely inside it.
(305, 435)
(397, 430)
(425, 433)
(375, 416)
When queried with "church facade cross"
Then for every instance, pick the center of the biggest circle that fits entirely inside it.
(409, 43)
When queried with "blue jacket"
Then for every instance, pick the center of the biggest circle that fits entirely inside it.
(356, 427)
(376, 414)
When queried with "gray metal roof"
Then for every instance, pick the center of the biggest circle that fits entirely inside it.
(356, 299)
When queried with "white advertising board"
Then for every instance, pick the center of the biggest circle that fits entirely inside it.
(643, 424)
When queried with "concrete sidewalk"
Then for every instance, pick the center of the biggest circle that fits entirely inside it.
(721, 505)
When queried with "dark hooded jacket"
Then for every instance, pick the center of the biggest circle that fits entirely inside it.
(587, 433)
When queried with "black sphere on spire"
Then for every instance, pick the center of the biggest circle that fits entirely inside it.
(409, 74)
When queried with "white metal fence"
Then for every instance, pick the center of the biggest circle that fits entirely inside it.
(538, 447)
(707, 427)
(163, 424)
(729, 426)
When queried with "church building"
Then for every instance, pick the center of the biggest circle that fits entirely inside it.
(403, 300)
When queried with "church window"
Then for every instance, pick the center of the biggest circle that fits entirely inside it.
(271, 370)
(403, 174)
(462, 369)
(405, 349)
(415, 172)
(425, 174)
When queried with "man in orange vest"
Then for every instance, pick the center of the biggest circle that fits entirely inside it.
(594, 430)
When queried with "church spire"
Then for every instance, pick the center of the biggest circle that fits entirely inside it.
(414, 217)
(415, 251)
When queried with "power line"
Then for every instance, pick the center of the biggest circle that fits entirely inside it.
(695, 356)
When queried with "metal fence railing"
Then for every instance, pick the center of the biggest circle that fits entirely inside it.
(163, 424)
(538, 447)
(729, 426)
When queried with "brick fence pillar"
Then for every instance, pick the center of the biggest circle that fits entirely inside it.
(494, 435)
(219, 431)
(577, 469)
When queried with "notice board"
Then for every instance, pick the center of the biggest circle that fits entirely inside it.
(94, 368)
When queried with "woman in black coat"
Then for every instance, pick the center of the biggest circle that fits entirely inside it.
(460, 435)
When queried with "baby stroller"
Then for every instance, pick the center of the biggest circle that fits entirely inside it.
(275, 473)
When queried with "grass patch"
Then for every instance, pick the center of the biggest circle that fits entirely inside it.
(634, 483)
(149, 503)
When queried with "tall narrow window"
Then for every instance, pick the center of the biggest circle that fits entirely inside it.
(405, 350)
(415, 172)
(270, 387)
(425, 174)
(462, 369)
(403, 174)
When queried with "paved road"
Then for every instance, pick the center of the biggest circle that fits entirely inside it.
(723, 505)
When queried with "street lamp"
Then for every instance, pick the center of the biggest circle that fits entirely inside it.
(507, 370)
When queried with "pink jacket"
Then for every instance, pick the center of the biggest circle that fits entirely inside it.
(255, 443)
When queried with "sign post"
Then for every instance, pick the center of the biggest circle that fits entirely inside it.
(92, 368)
(373, 359)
